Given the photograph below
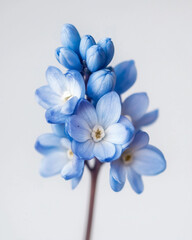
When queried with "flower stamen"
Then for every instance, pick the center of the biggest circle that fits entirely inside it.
(98, 133)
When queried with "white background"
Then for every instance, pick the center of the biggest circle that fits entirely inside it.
(158, 36)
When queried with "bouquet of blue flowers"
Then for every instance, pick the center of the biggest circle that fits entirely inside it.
(89, 120)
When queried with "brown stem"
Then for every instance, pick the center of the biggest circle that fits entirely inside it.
(94, 174)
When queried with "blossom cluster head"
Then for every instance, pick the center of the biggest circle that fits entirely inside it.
(88, 118)
(83, 53)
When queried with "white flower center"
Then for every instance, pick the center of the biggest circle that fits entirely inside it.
(98, 133)
(70, 154)
(66, 96)
(126, 158)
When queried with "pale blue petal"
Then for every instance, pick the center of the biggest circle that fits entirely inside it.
(108, 109)
(52, 164)
(148, 161)
(78, 129)
(117, 133)
(118, 152)
(135, 180)
(147, 119)
(83, 150)
(75, 83)
(115, 185)
(75, 181)
(126, 76)
(103, 150)
(47, 143)
(118, 171)
(73, 169)
(135, 105)
(140, 140)
(59, 130)
(86, 111)
(46, 97)
(56, 80)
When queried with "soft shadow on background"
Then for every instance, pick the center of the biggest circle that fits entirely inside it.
(158, 36)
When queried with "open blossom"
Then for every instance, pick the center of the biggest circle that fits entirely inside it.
(98, 132)
(138, 159)
(59, 158)
(61, 94)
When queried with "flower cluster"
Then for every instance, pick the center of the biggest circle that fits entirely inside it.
(89, 119)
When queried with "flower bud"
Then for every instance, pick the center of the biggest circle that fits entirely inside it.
(100, 83)
(95, 58)
(86, 42)
(70, 37)
(126, 74)
(108, 48)
(68, 58)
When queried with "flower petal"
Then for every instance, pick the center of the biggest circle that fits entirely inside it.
(108, 109)
(59, 130)
(75, 83)
(79, 129)
(126, 76)
(75, 181)
(147, 119)
(46, 97)
(135, 105)
(52, 164)
(148, 161)
(118, 152)
(60, 113)
(103, 150)
(117, 133)
(73, 169)
(135, 180)
(56, 80)
(115, 185)
(140, 140)
(83, 150)
(117, 171)
(86, 111)
(48, 142)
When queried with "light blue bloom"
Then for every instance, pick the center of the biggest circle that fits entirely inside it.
(86, 42)
(59, 158)
(108, 48)
(95, 58)
(68, 58)
(61, 95)
(135, 107)
(138, 159)
(98, 132)
(126, 74)
(100, 83)
(70, 37)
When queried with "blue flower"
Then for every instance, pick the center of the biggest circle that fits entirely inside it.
(108, 47)
(126, 74)
(99, 132)
(61, 95)
(100, 83)
(59, 158)
(86, 42)
(68, 58)
(95, 58)
(135, 106)
(138, 159)
(70, 37)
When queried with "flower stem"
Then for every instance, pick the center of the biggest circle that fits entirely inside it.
(94, 174)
